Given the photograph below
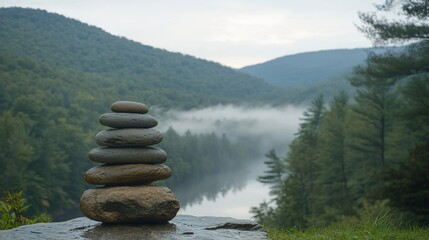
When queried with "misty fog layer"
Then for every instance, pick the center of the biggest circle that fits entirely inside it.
(232, 192)
(268, 127)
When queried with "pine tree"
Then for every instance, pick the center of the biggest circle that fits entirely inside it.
(411, 24)
(407, 186)
(275, 173)
(332, 198)
(407, 72)
(295, 199)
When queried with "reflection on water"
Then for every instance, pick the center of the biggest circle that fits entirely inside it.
(233, 204)
(210, 187)
(227, 194)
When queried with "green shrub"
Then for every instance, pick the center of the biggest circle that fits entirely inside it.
(12, 209)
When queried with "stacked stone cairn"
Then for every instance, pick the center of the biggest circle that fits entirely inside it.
(130, 164)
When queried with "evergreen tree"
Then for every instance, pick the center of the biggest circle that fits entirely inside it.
(410, 25)
(332, 196)
(407, 186)
(295, 200)
(407, 71)
(375, 103)
(275, 173)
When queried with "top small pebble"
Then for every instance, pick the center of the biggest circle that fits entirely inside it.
(129, 107)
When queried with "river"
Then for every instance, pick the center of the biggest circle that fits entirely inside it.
(234, 204)
(229, 194)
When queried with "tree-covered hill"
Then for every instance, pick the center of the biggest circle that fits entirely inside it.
(306, 75)
(129, 69)
(308, 68)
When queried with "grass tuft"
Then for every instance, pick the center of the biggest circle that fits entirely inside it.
(365, 231)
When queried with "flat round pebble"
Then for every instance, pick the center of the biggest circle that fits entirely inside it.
(127, 120)
(129, 107)
(124, 155)
(127, 174)
(128, 137)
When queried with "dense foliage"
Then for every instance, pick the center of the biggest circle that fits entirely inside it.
(374, 148)
(116, 66)
(58, 75)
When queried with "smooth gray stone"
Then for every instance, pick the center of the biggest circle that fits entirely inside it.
(128, 137)
(127, 120)
(129, 107)
(127, 174)
(148, 155)
(130, 204)
(182, 227)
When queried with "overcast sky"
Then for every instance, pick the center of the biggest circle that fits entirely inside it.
(234, 33)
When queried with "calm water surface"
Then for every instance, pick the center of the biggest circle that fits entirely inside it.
(240, 192)
(234, 204)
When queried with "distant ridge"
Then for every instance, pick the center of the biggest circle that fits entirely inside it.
(306, 75)
(309, 67)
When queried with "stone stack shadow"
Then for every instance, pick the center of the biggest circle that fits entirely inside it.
(130, 164)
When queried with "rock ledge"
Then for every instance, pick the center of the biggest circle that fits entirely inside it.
(181, 227)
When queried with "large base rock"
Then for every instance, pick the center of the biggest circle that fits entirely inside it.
(130, 204)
